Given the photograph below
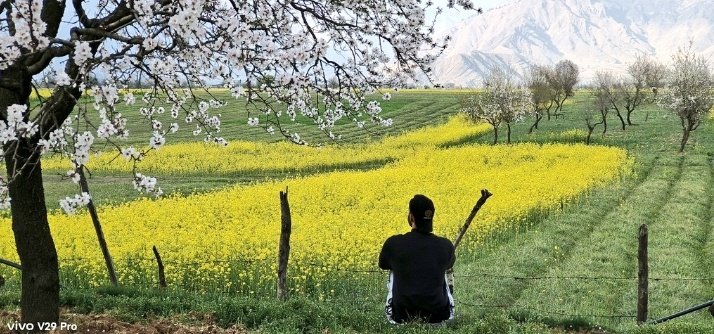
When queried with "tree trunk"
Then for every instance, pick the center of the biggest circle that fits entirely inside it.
(604, 123)
(622, 120)
(629, 112)
(98, 229)
(495, 135)
(535, 125)
(508, 140)
(685, 138)
(590, 133)
(39, 300)
(559, 107)
(39, 296)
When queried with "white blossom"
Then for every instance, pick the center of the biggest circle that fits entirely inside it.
(177, 48)
(157, 140)
(62, 79)
(74, 176)
(146, 184)
(82, 53)
(70, 204)
(129, 99)
(149, 44)
(4, 195)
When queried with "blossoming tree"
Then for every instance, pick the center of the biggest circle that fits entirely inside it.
(688, 91)
(502, 100)
(180, 46)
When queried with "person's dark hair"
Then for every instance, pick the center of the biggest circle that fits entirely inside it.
(422, 208)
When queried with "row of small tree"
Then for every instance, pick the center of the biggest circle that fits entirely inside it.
(623, 95)
(684, 88)
(687, 84)
(505, 100)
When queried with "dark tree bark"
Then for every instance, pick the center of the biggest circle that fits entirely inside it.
(629, 121)
(685, 138)
(622, 120)
(604, 122)
(558, 107)
(535, 124)
(39, 299)
(495, 134)
(591, 129)
(508, 137)
(688, 125)
(633, 101)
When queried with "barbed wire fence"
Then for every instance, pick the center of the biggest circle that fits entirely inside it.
(354, 280)
(361, 282)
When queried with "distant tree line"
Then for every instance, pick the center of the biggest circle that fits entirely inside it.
(504, 100)
(685, 88)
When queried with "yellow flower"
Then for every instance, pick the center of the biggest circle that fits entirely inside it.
(340, 219)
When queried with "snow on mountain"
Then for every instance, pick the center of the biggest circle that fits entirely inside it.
(595, 34)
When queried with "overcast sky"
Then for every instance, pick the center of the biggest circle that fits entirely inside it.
(450, 17)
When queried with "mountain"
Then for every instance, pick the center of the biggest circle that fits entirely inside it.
(595, 34)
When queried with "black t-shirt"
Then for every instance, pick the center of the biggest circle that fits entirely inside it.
(418, 262)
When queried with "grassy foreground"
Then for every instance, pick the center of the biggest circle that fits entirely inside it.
(565, 270)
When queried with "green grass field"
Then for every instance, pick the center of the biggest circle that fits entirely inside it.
(565, 270)
(409, 109)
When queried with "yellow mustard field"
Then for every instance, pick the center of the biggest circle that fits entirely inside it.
(242, 157)
(227, 239)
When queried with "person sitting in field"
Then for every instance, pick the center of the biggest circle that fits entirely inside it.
(418, 261)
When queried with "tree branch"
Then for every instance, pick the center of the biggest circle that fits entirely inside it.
(102, 33)
(9, 84)
(83, 18)
(52, 12)
(46, 58)
(3, 5)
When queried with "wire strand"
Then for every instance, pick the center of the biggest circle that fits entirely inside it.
(613, 316)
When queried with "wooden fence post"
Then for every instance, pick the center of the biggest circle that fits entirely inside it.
(643, 277)
(84, 185)
(284, 248)
(162, 276)
(485, 194)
